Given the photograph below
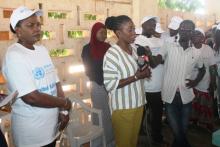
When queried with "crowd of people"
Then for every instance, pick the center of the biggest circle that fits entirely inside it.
(146, 69)
(179, 73)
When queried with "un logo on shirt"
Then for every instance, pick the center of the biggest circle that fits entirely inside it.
(38, 73)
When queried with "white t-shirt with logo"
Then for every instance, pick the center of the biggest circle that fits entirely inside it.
(206, 57)
(28, 70)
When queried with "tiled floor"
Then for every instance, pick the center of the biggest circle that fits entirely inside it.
(198, 137)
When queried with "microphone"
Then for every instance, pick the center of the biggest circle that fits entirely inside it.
(143, 60)
(140, 61)
(141, 51)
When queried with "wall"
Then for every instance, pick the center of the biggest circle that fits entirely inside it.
(212, 8)
(142, 8)
(203, 21)
(75, 21)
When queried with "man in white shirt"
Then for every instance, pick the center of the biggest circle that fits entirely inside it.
(173, 29)
(29, 70)
(150, 27)
(180, 59)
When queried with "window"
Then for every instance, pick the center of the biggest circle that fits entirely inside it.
(47, 35)
(7, 13)
(89, 17)
(57, 15)
(5, 35)
(76, 34)
(64, 52)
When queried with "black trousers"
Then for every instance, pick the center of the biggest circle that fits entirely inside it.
(3, 142)
(155, 104)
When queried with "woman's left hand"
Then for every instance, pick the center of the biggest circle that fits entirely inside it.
(63, 120)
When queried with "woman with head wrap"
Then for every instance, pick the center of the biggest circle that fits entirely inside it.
(92, 56)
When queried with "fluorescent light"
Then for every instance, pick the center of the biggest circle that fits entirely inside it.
(71, 87)
(88, 84)
(76, 69)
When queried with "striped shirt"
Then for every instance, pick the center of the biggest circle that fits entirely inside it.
(119, 65)
(179, 64)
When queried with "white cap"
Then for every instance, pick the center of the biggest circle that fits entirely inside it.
(175, 22)
(159, 29)
(138, 31)
(214, 26)
(21, 13)
(218, 27)
(146, 18)
(200, 30)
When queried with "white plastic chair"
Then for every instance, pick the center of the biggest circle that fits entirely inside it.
(5, 124)
(80, 129)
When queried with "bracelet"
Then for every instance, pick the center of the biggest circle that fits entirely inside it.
(64, 112)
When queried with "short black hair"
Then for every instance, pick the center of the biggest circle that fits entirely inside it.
(17, 25)
(187, 21)
(12, 30)
(114, 22)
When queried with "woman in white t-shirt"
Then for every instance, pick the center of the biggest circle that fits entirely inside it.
(202, 111)
(28, 69)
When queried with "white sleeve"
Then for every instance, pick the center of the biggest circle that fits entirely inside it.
(164, 50)
(111, 72)
(199, 62)
(18, 74)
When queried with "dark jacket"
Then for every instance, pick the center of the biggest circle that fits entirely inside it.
(93, 67)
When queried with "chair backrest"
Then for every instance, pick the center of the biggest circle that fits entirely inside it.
(80, 121)
(83, 112)
(5, 125)
(79, 113)
(80, 117)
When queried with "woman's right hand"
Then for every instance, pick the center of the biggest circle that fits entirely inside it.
(144, 73)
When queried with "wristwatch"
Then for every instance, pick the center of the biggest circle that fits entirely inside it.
(135, 77)
(64, 112)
